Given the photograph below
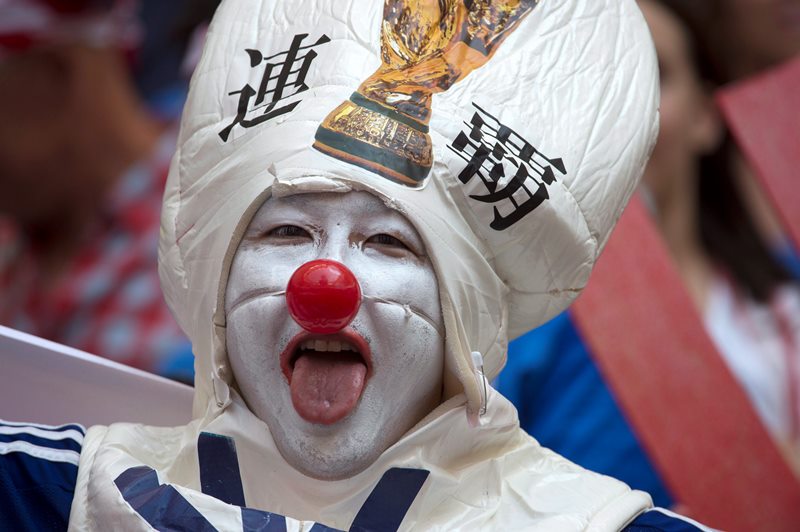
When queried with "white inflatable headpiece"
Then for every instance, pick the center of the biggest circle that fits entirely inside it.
(510, 133)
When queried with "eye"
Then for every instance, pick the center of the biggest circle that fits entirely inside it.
(383, 239)
(288, 232)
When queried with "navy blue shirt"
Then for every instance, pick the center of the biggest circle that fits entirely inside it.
(38, 471)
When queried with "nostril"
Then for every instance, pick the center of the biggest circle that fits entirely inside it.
(323, 296)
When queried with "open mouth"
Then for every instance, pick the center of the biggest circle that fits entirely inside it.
(326, 374)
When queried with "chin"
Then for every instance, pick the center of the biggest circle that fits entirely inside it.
(329, 468)
(335, 456)
(348, 447)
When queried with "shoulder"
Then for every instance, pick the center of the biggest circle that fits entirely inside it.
(38, 470)
(662, 520)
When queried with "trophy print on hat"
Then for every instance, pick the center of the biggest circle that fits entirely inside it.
(426, 47)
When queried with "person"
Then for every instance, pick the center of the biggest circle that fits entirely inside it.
(749, 302)
(748, 38)
(752, 36)
(747, 299)
(349, 263)
(82, 165)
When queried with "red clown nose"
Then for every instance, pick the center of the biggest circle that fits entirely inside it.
(323, 296)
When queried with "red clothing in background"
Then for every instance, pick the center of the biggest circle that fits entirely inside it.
(107, 300)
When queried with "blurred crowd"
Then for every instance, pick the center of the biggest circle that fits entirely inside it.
(90, 94)
(737, 264)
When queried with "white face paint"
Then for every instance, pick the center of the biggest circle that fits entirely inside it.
(398, 331)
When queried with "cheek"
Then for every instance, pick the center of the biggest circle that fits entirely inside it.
(408, 353)
(426, 352)
(261, 270)
(417, 375)
(404, 282)
(253, 335)
(255, 331)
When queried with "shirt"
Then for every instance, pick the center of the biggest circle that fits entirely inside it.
(108, 299)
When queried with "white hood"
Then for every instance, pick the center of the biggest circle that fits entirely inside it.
(577, 80)
(572, 83)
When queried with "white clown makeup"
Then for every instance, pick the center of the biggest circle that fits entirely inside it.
(335, 402)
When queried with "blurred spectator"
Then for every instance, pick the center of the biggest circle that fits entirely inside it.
(171, 45)
(748, 300)
(749, 303)
(745, 38)
(749, 36)
(82, 169)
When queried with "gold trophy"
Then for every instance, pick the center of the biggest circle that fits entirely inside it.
(426, 47)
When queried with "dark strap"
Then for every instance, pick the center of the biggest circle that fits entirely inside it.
(657, 520)
(219, 468)
(164, 508)
(160, 505)
(389, 502)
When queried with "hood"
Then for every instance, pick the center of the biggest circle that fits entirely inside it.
(511, 134)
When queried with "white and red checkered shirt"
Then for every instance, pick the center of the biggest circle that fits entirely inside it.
(107, 300)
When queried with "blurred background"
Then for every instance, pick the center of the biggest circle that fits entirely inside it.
(730, 276)
(91, 92)
(90, 97)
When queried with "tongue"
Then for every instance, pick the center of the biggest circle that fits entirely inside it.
(326, 386)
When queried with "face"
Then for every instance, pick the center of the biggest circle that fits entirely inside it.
(689, 124)
(335, 402)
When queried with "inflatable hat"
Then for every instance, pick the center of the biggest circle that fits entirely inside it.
(510, 133)
(425, 49)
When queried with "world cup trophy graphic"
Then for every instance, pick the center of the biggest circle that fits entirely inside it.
(426, 47)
